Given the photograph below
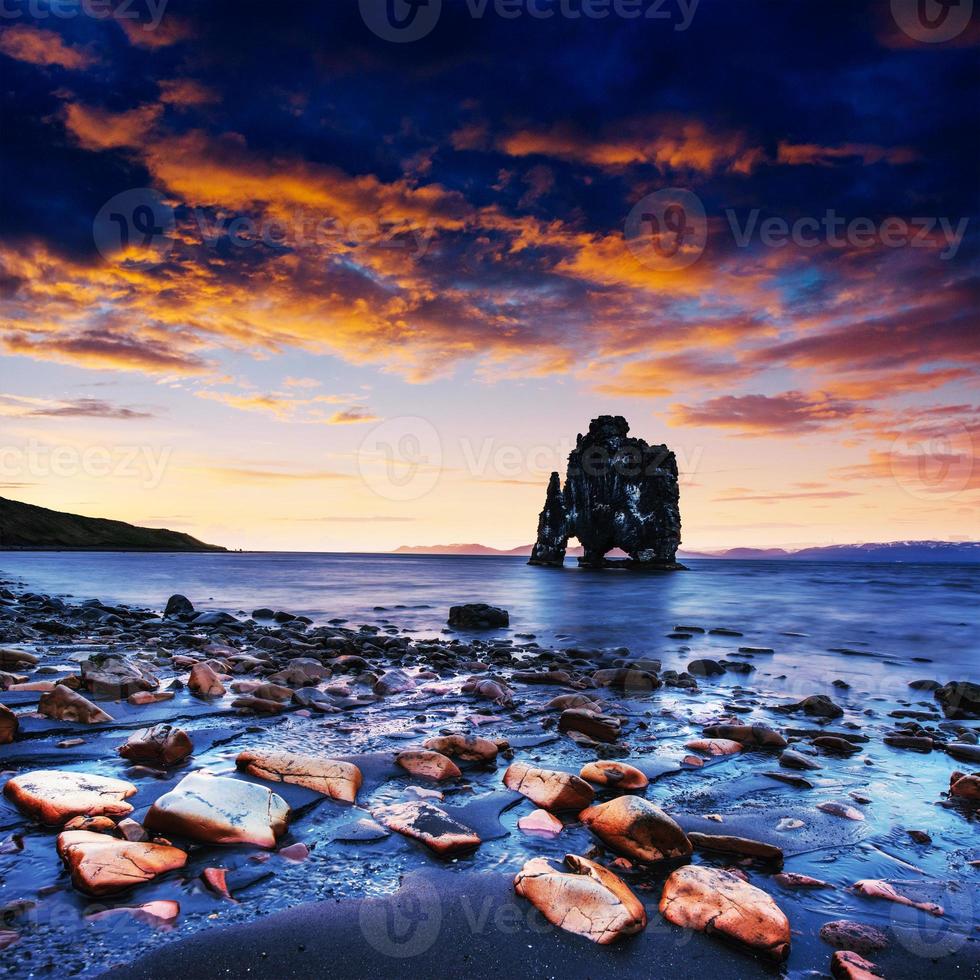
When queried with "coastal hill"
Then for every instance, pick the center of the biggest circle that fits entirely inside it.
(903, 551)
(24, 526)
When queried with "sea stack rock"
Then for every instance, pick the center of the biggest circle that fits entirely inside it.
(619, 493)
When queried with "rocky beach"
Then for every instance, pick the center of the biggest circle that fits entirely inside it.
(255, 791)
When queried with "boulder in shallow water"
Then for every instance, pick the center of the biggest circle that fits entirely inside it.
(602, 728)
(845, 965)
(588, 899)
(8, 725)
(64, 704)
(205, 682)
(301, 672)
(637, 828)
(427, 764)
(751, 736)
(52, 796)
(478, 616)
(740, 846)
(394, 682)
(488, 688)
(331, 777)
(816, 706)
(469, 748)
(616, 775)
(721, 903)
(113, 676)
(179, 605)
(854, 936)
(705, 668)
(959, 699)
(101, 865)
(965, 787)
(714, 746)
(220, 810)
(430, 825)
(161, 745)
(548, 788)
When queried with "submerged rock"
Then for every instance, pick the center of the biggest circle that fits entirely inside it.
(854, 936)
(220, 810)
(637, 828)
(817, 706)
(588, 900)
(101, 865)
(430, 825)
(331, 777)
(394, 682)
(540, 822)
(64, 704)
(873, 888)
(161, 745)
(741, 846)
(53, 796)
(548, 788)
(719, 902)
(619, 493)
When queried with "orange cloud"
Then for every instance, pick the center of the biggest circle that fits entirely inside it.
(186, 92)
(98, 129)
(669, 143)
(37, 46)
(798, 154)
(160, 33)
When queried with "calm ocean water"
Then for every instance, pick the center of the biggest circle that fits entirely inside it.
(895, 620)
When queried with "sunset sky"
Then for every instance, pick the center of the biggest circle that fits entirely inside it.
(372, 289)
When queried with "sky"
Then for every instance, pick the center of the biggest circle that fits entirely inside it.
(353, 275)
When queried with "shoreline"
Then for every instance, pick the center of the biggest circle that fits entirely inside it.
(381, 691)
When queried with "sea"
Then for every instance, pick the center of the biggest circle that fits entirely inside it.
(863, 623)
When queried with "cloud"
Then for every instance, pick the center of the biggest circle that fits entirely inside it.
(21, 406)
(811, 154)
(186, 92)
(353, 416)
(786, 495)
(98, 129)
(249, 474)
(100, 349)
(786, 414)
(669, 143)
(37, 46)
(159, 33)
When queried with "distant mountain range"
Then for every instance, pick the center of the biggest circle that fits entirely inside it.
(902, 551)
(26, 527)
